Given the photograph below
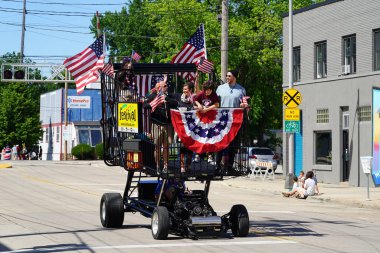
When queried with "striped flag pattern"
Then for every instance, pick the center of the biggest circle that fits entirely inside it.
(159, 99)
(85, 66)
(244, 100)
(135, 56)
(192, 51)
(205, 66)
(108, 69)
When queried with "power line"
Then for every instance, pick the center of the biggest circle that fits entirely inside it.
(70, 4)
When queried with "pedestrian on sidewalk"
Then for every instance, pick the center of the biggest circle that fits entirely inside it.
(303, 192)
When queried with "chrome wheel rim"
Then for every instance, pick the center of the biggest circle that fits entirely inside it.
(103, 211)
(154, 223)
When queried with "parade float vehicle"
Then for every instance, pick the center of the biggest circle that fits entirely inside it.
(130, 142)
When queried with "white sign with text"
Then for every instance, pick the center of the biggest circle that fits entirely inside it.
(79, 102)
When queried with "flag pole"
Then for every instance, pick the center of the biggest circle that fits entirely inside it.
(204, 39)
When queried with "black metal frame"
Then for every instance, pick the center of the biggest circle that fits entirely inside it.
(117, 145)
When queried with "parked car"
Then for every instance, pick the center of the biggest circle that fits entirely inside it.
(262, 154)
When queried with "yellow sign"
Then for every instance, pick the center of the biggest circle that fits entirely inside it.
(292, 114)
(127, 120)
(291, 98)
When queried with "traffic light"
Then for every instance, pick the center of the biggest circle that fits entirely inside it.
(7, 74)
(19, 74)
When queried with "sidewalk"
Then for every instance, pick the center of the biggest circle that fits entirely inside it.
(336, 193)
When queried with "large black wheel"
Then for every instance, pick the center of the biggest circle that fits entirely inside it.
(239, 221)
(112, 210)
(160, 223)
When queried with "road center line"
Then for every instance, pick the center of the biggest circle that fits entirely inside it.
(264, 211)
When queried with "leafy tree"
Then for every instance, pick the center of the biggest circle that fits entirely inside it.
(20, 107)
(255, 43)
(19, 114)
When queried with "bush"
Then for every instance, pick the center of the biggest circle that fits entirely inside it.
(83, 152)
(99, 150)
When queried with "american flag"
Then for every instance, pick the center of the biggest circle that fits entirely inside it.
(159, 99)
(244, 100)
(205, 65)
(192, 51)
(108, 69)
(85, 66)
(147, 82)
(135, 56)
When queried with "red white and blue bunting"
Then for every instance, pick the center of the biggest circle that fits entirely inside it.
(207, 132)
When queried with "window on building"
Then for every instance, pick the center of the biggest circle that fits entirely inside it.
(349, 55)
(323, 148)
(321, 59)
(90, 136)
(96, 137)
(365, 113)
(376, 49)
(57, 134)
(296, 64)
(47, 135)
(84, 136)
(323, 116)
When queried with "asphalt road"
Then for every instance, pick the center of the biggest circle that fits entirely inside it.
(54, 207)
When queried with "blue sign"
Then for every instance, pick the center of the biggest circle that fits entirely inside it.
(376, 135)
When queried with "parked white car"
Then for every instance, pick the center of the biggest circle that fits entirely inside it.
(261, 154)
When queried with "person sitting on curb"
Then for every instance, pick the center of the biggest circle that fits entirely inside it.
(295, 183)
(308, 188)
(301, 178)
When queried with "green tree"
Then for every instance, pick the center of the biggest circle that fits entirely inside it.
(20, 107)
(255, 43)
(19, 114)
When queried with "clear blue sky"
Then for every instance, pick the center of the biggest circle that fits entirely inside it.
(50, 31)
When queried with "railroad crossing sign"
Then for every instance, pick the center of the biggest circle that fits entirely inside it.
(291, 98)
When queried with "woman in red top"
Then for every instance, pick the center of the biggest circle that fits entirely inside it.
(207, 100)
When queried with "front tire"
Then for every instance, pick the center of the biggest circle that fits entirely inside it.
(160, 223)
(239, 221)
(112, 210)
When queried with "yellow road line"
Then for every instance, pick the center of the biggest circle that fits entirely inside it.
(5, 165)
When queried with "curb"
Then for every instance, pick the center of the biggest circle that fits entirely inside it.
(325, 198)
(5, 165)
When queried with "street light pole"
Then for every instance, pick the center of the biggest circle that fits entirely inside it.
(288, 181)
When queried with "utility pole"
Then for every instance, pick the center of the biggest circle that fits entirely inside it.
(66, 132)
(224, 42)
(288, 180)
(23, 32)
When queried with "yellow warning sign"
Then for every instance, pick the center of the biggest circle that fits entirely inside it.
(128, 118)
(292, 114)
(291, 98)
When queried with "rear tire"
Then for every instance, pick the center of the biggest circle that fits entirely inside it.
(112, 210)
(239, 221)
(160, 223)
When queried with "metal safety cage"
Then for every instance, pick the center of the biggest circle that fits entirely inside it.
(152, 149)
(116, 143)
